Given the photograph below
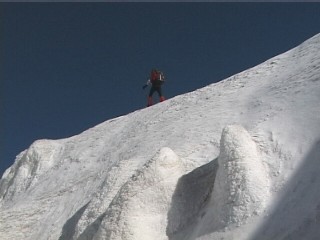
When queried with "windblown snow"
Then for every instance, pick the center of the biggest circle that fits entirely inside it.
(238, 159)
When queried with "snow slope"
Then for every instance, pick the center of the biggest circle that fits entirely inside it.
(238, 159)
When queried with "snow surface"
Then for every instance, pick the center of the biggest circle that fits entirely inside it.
(238, 159)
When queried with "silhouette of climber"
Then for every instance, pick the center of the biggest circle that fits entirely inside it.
(156, 80)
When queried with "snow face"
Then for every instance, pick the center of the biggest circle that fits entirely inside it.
(139, 211)
(38, 159)
(234, 160)
(241, 187)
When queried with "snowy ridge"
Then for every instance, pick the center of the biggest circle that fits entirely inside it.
(241, 187)
(139, 210)
(38, 159)
(233, 160)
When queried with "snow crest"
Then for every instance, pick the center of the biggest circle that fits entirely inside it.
(241, 188)
(29, 165)
(139, 211)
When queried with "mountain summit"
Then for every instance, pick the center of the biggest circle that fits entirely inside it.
(238, 159)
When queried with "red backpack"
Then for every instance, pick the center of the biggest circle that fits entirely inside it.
(156, 77)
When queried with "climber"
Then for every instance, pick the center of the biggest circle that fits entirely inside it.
(156, 80)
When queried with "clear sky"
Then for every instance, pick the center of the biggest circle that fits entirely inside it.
(66, 67)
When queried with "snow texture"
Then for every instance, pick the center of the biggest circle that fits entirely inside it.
(139, 211)
(242, 187)
(237, 159)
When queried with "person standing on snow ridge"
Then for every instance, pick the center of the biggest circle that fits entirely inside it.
(156, 80)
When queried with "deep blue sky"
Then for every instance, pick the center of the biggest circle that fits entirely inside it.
(66, 67)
